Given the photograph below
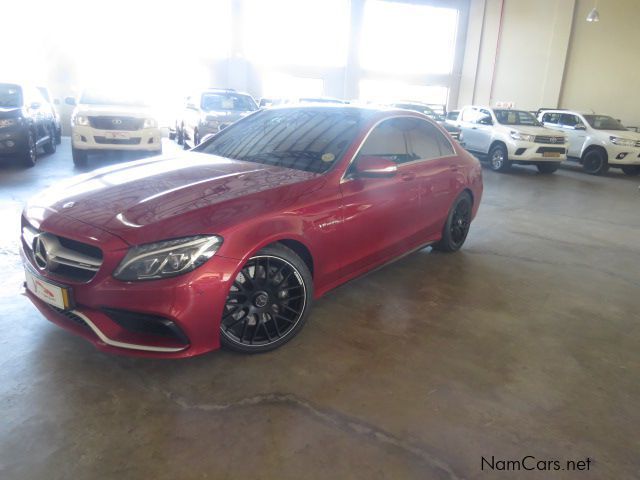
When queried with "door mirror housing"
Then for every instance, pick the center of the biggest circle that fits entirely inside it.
(371, 166)
(580, 127)
(485, 121)
(70, 101)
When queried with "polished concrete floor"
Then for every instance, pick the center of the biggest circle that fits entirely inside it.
(525, 343)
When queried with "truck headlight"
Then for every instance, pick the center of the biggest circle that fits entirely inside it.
(150, 123)
(522, 136)
(80, 120)
(623, 142)
(167, 259)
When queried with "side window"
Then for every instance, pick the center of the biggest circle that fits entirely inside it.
(387, 140)
(551, 118)
(569, 120)
(484, 117)
(469, 115)
(425, 141)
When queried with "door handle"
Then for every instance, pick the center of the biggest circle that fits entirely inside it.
(407, 176)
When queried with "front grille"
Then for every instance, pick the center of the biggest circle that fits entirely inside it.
(60, 256)
(116, 141)
(69, 316)
(147, 324)
(549, 139)
(116, 123)
(550, 150)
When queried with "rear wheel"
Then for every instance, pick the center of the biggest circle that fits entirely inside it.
(631, 170)
(498, 159)
(268, 301)
(548, 167)
(79, 157)
(179, 135)
(29, 155)
(457, 225)
(595, 162)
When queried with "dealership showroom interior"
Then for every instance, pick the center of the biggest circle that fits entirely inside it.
(320, 239)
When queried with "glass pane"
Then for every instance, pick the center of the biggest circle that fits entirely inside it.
(407, 38)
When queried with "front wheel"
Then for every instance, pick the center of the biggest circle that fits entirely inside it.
(498, 159)
(595, 162)
(457, 225)
(268, 301)
(50, 146)
(548, 167)
(631, 170)
(79, 157)
(30, 154)
(180, 136)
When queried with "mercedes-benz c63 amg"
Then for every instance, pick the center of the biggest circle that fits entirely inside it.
(230, 243)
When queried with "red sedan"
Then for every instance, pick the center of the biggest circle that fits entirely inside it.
(231, 242)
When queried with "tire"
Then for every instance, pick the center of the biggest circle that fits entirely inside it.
(50, 146)
(268, 302)
(631, 170)
(196, 138)
(179, 136)
(58, 136)
(547, 167)
(594, 162)
(79, 157)
(499, 159)
(172, 135)
(29, 156)
(456, 228)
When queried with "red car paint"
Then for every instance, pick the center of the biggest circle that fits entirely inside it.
(348, 227)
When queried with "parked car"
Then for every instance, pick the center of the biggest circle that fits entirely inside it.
(511, 136)
(44, 91)
(209, 111)
(453, 130)
(596, 141)
(26, 123)
(451, 117)
(271, 102)
(106, 121)
(232, 241)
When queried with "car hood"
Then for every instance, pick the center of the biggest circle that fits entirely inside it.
(159, 194)
(629, 134)
(114, 110)
(225, 115)
(529, 130)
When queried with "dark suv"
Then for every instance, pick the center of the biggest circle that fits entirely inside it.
(26, 123)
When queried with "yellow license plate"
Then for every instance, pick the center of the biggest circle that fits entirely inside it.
(551, 154)
(48, 292)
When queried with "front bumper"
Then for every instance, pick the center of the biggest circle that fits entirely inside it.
(192, 304)
(536, 152)
(619, 155)
(89, 138)
(12, 140)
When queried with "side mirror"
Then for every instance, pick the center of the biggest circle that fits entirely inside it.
(70, 101)
(580, 127)
(370, 166)
(485, 121)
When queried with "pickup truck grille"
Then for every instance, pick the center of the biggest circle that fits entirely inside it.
(549, 139)
(116, 141)
(62, 257)
(117, 123)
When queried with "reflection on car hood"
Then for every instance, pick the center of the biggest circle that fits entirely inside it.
(226, 115)
(10, 112)
(628, 134)
(125, 199)
(530, 130)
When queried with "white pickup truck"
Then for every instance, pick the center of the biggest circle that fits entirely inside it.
(511, 136)
(596, 141)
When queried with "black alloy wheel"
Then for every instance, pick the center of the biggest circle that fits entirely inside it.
(457, 225)
(631, 170)
(595, 162)
(267, 302)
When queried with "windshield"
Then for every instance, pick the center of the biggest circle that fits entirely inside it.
(312, 140)
(100, 98)
(516, 117)
(227, 101)
(10, 95)
(604, 122)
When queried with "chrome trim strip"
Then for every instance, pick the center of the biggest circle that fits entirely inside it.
(130, 346)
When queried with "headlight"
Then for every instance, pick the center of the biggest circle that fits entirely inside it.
(8, 122)
(167, 259)
(150, 123)
(81, 120)
(522, 136)
(623, 142)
